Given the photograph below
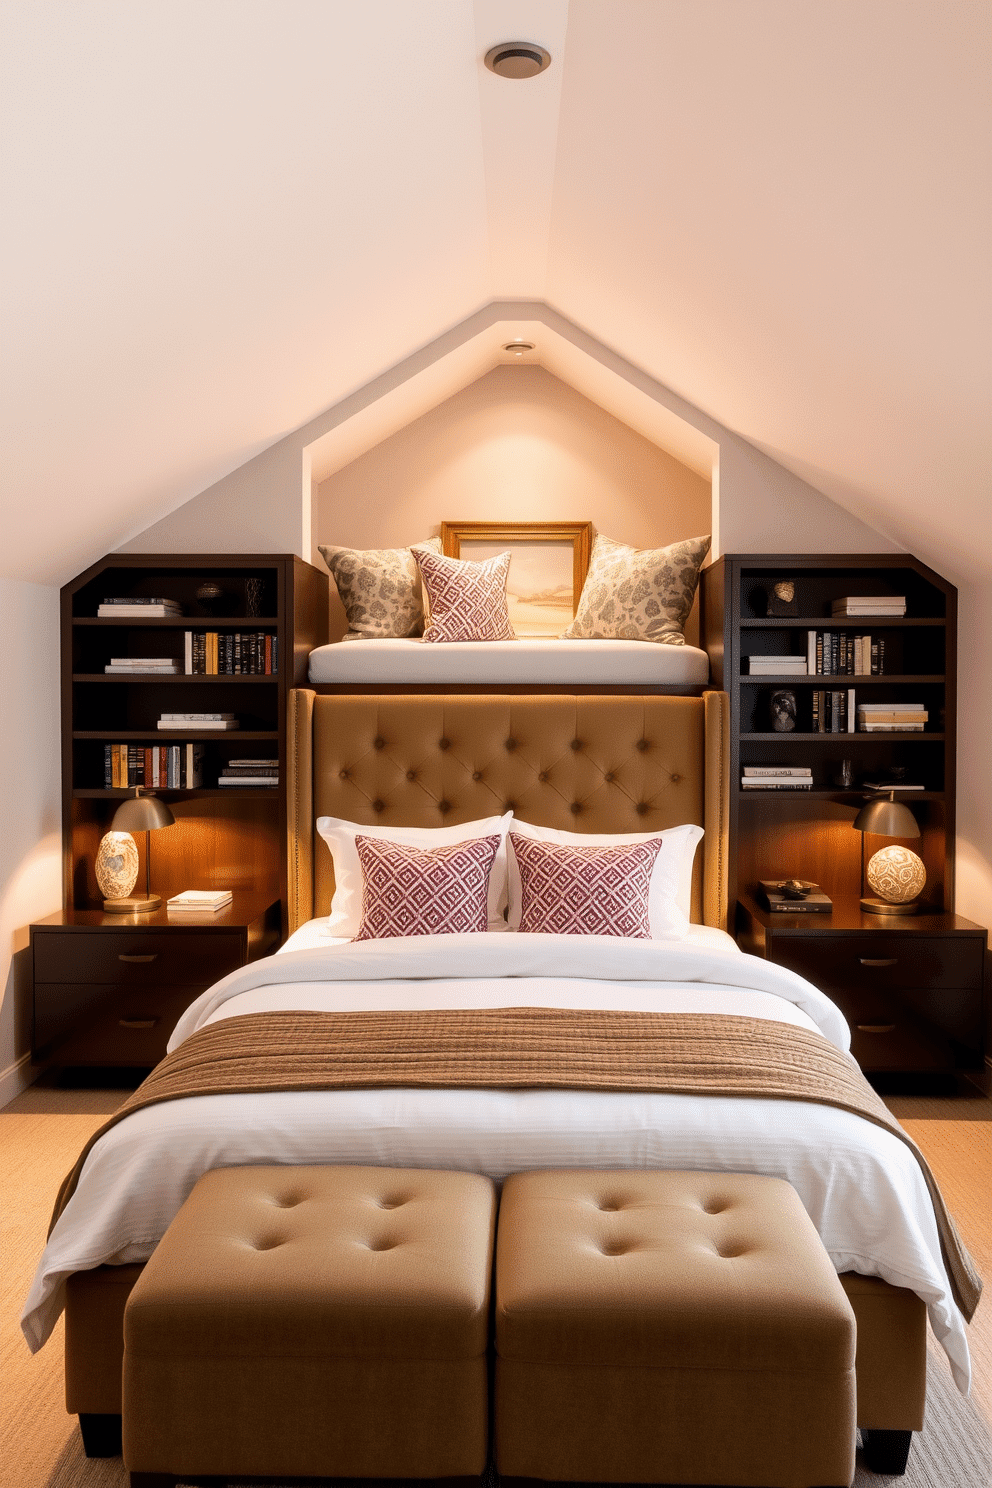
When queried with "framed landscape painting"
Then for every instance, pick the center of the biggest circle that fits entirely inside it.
(548, 566)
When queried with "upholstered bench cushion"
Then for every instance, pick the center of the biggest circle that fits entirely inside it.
(314, 1320)
(669, 1327)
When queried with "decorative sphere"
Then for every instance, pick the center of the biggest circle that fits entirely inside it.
(116, 865)
(896, 875)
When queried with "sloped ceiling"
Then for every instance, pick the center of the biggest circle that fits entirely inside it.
(223, 218)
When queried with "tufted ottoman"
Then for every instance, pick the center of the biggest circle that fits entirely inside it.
(314, 1321)
(669, 1328)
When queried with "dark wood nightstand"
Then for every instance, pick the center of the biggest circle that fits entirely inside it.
(108, 989)
(911, 987)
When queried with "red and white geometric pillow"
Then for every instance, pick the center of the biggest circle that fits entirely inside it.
(412, 891)
(466, 601)
(585, 890)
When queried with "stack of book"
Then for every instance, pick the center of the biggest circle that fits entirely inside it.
(212, 899)
(250, 772)
(777, 777)
(892, 718)
(168, 766)
(158, 666)
(869, 604)
(836, 652)
(236, 653)
(216, 721)
(893, 785)
(136, 607)
(770, 666)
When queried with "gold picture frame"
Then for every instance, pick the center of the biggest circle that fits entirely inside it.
(548, 566)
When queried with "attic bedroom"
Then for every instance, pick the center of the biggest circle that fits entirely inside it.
(496, 584)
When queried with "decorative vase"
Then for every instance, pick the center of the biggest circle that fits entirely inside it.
(253, 596)
(783, 710)
(116, 865)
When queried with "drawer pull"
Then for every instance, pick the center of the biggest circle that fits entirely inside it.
(879, 960)
(138, 1022)
(152, 956)
(876, 1028)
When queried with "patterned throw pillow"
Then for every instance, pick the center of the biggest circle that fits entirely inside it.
(467, 600)
(585, 890)
(379, 588)
(437, 891)
(638, 594)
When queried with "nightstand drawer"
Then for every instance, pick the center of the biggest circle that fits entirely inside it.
(135, 958)
(876, 960)
(118, 1027)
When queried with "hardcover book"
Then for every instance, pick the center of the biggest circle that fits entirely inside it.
(777, 901)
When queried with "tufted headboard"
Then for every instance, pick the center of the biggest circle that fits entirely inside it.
(585, 764)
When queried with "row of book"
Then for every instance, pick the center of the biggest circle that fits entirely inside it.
(249, 772)
(239, 653)
(208, 654)
(834, 711)
(828, 653)
(165, 766)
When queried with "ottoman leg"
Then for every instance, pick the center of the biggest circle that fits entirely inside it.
(101, 1434)
(152, 1480)
(886, 1452)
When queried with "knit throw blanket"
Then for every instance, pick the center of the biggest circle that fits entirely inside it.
(528, 1048)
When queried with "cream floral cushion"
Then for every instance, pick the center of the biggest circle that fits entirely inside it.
(380, 589)
(638, 594)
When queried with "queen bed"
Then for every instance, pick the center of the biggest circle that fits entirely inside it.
(631, 766)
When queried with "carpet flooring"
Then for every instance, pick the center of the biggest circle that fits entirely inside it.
(42, 1131)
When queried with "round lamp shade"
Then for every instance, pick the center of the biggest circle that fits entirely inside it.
(896, 875)
(116, 865)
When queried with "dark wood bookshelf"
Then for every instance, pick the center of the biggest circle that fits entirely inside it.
(224, 837)
(808, 833)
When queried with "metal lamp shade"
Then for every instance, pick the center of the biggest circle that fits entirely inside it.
(888, 819)
(139, 814)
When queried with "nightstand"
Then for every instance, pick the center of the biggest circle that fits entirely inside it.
(108, 989)
(911, 987)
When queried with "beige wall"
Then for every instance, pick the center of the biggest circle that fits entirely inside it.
(517, 445)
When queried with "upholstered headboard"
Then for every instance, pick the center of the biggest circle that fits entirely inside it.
(585, 764)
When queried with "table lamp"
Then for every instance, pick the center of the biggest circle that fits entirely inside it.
(117, 858)
(896, 874)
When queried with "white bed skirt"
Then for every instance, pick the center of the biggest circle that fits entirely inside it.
(528, 659)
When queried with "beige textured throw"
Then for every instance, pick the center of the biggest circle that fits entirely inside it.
(528, 1048)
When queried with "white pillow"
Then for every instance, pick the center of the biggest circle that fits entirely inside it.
(346, 906)
(669, 897)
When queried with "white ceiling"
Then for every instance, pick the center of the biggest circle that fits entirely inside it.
(222, 219)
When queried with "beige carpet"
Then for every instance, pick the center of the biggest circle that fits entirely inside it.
(41, 1133)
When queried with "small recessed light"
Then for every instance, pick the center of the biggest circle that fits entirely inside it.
(518, 348)
(517, 59)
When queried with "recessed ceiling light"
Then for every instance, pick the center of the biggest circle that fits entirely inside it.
(517, 59)
(518, 348)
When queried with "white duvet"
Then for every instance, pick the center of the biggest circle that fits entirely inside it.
(860, 1184)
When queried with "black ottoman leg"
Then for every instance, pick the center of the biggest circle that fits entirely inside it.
(886, 1452)
(101, 1435)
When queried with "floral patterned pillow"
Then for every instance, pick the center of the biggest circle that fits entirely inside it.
(638, 594)
(380, 589)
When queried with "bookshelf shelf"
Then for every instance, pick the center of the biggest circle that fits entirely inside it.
(809, 833)
(230, 837)
(174, 679)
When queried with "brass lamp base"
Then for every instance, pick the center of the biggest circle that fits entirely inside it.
(882, 907)
(143, 905)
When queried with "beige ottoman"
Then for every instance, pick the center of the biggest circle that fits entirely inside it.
(669, 1328)
(314, 1321)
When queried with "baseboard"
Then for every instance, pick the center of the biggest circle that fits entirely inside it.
(17, 1077)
